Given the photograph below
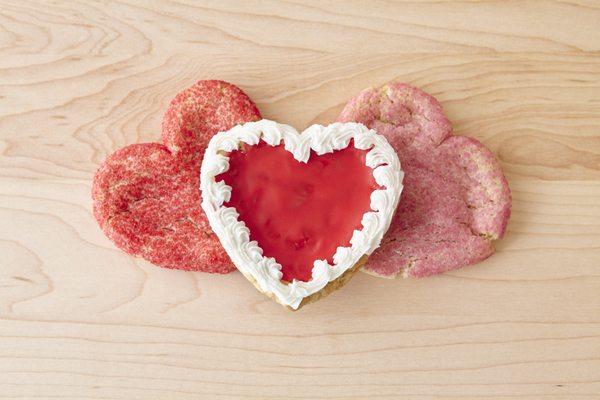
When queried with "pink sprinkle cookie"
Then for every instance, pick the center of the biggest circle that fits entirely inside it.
(456, 200)
(146, 196)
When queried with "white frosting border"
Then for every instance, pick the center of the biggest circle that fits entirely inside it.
(235, 236)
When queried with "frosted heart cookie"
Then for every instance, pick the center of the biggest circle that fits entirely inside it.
(298, 214)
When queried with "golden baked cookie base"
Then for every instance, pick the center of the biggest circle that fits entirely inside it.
(330, 287)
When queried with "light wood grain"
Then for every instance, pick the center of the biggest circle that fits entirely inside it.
(80, 319)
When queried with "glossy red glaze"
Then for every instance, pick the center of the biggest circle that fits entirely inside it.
(298, 212)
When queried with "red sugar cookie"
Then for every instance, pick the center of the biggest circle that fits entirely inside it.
(456, 200)
(146, 196)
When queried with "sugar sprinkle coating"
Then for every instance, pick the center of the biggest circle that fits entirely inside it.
(146, 196)
(456, 200)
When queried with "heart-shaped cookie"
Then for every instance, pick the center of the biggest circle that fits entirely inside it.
(298, 214)
(456, 199)
(146, 196)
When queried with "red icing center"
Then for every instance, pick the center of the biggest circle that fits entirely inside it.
(298, 212)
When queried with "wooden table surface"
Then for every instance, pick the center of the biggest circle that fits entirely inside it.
(80, 319)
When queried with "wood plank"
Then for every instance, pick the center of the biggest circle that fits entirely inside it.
(80, 319)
